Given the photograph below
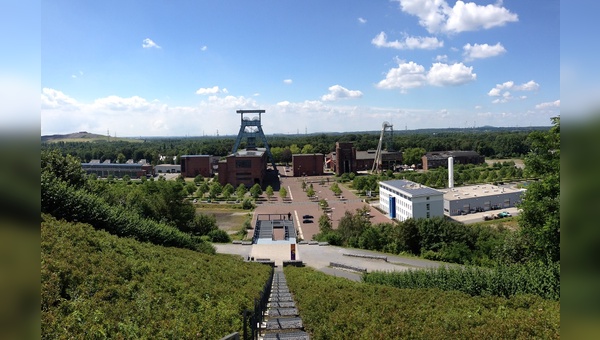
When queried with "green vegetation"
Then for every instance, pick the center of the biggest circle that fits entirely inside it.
(436, 239)
(336, 308)
(536, 278)
(98, 286)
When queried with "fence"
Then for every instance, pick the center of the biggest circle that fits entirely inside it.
(256, 316)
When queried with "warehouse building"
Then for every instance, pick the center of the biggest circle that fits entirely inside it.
(478, 198)
(106, 168)
(433, 160)
(402, 199)
(346, 159)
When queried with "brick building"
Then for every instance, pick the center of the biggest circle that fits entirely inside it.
(194, 165)
(433, 160)
(308, 164)
(245, 166)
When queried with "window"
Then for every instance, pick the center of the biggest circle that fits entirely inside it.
(427, 206)
(427, 198)
(427, 214)
(243, 163)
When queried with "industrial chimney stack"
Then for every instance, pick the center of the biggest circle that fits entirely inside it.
(450, 172)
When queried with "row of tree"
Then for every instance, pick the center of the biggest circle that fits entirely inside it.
(499, 144)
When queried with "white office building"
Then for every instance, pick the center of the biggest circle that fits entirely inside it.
(402, 199)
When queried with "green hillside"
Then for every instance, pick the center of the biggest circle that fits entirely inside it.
(336, 308)
(83, 136)
(96, 285)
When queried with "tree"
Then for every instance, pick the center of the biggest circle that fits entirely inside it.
(540, 215)
(303, 185)
(308, 148)
(227, 191)
(198, 179)
(283, 193)
(65, 168)
(256, 191)
(294, 149)
(310, 192)
(121, 159)
(241, 191)
(269, 192)
(202, 189)
(215, 190)
(413, 155)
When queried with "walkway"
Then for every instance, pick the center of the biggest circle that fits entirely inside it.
(282, 320)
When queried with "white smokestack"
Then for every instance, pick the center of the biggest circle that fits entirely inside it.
(450, 172)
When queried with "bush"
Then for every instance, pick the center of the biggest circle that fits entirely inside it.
(219, 236)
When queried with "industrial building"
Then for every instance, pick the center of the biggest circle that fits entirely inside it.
(106, 168)
(402, 199)
(247, 166)
(346, 159)
(477, 198)
(308, 164)
(167, 168)
(432, 160)
(194, 165)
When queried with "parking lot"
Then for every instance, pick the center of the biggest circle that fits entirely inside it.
(299, 204)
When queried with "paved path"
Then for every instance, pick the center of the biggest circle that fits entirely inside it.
(319, 257)
(298, 204)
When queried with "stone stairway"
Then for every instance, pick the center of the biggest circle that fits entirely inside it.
(282, 320)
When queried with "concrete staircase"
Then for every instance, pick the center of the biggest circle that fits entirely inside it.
(282, 320)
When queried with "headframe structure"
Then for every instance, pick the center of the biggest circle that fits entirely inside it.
(250, 129)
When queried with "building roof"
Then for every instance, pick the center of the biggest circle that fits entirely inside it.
(412, 188)
(306, 154)
(193, 156)
(251, 153)
(446, 154)
(481, 190)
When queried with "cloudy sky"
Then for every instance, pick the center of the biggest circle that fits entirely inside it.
(176, 68)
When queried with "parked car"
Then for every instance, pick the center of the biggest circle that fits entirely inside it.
(307, 216)
(504, 214)
(307, 221)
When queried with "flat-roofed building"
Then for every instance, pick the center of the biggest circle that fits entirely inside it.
(245, 166)
(477, 198)
(402, 199)
(117, 170)
(436, 159)
(167, 168)
(194, 165)
(308, 164)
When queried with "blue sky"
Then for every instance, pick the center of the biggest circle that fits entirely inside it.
(174, 68)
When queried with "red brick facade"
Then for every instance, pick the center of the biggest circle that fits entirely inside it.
(246, 167)
(194, 165)
(308, 165)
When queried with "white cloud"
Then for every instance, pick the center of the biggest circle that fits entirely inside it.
(405, 76)
(408, 43)
(54, 99)
(148, 43)
(287, 81)
(548, 105)
(450, 75)
(442, 57)
(411, 75)
(497, 91)
(339, 92)
(362, 20)
(210, 90)
(482, 51)
(438, 17)
(203, 48)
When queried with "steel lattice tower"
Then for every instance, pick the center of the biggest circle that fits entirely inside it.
(251, 129)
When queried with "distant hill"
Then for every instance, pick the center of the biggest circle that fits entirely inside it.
(82, 136)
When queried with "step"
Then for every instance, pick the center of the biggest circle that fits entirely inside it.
(275, 312)
(282, 304)
(294, 335)
(284, 323)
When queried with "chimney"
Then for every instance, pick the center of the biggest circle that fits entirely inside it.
(450, 172)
